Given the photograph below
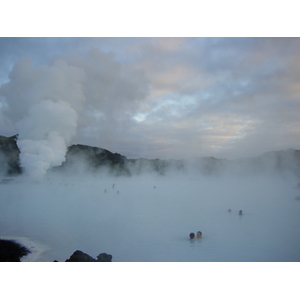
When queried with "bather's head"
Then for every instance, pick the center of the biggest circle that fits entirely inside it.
(199, 234)
(192, 235)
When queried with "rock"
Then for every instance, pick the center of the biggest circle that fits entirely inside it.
(11, 251)
(79, 256)
(103, 257)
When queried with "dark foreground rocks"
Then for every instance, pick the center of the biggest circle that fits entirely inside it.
(11, 251)
(79, 256)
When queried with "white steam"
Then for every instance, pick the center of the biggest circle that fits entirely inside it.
(46, 130)
(52, 104)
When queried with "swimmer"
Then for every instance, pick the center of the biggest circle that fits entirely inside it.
(192, 235)
(199, 234)
(240, 212)
(229, 210)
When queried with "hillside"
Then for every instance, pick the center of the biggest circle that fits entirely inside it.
(87, 158)
(81, 158)
(9, 155)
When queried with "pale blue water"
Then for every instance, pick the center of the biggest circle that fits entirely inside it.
(143, 223)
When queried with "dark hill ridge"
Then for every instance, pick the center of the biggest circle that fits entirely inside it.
(93, 159)
(9, 155)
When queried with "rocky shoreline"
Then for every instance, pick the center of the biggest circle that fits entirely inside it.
(79, 256)
(12, 251)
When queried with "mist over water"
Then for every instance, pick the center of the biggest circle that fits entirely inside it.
(101, 97)
(149, 218)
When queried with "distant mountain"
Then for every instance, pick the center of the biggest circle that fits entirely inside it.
(278, 161)
(81, 158)
(284, 161)
(87, 158)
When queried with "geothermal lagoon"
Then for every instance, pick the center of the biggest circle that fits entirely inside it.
(148, 218)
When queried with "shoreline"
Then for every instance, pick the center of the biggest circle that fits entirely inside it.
(36, 249)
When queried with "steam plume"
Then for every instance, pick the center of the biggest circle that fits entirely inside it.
(46, 130)
(48, 104)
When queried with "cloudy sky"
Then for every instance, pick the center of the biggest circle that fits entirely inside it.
(155, 97)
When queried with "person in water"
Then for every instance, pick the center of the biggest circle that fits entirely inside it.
(229, 210)
(199, 234)
(192, 235)
(240, 212)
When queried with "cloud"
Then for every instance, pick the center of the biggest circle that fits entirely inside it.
(225, 96)
(253, 83)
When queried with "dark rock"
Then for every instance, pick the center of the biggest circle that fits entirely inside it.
(79, 256)
(11, 251)
(103, 257)
(9, 155)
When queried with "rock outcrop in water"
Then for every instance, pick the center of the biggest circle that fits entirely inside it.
(79, 256)
(11, 251)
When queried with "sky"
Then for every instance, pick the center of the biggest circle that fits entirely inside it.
(158, 97)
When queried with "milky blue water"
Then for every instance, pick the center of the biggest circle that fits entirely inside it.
(150, 218)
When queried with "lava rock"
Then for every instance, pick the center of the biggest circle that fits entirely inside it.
(103, 257)
(11, 251)
(79, 256)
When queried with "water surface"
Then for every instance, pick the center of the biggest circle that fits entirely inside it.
(150, 218)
